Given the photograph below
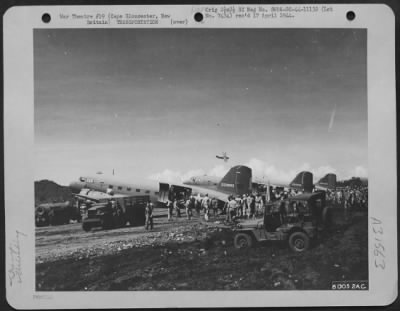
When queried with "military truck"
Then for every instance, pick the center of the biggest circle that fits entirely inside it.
(55, 214)
(114, 211)
(297, 220)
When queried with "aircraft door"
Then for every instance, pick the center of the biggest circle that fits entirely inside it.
(179, 192)
(163, 193)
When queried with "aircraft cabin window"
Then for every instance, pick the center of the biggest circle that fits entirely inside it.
(82, 179)
(137, 190)
(147, 191)
(129, 189)
(119, 188)
(110, 186)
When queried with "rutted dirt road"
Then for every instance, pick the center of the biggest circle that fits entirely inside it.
(192, 255)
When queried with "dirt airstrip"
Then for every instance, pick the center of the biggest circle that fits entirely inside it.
(193, 255)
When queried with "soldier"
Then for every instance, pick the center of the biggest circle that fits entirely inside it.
(231, 208)
(149, 215)
(205, 204)
(189, 207)
(259, 203)
(170, 207)
(177, 208)
(214, 205)
(198, 204)
(239, 206)
(251, 206)
(244, 206)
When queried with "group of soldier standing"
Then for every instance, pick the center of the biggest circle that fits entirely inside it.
(245, 206)
(248, 206)
(198, 204)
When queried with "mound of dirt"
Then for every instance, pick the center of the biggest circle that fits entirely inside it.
(47, 191)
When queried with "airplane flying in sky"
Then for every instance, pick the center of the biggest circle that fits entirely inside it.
(237, 181)
(223, 157)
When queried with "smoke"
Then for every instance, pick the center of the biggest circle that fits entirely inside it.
(330, 127)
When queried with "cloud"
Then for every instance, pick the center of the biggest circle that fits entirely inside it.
(169, 175)
(269, 172)
(358, 171)
(219, 171)
(323, 170)
(262, 171)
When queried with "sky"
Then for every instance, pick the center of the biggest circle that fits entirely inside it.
(162, 103)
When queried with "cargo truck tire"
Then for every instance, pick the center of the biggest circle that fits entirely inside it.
(299, 242)
(243, 240)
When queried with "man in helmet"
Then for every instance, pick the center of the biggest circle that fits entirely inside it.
(149, 215)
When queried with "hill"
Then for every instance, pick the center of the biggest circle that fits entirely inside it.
(47, 191)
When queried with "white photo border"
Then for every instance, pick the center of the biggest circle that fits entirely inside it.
(18, 25)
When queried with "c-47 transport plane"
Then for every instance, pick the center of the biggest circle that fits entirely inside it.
(237, 181)
(304, 182)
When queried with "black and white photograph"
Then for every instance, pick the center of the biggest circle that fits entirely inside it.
(200, 159)
(204, 156)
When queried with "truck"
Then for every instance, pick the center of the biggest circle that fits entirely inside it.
(296, 220)
(114, 211)
(56, 213)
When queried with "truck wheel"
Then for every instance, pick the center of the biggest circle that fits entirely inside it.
(86, 226)
(40, 211)
(243, 240)
(299, 242)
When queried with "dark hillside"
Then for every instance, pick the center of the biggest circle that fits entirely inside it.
(47, 191)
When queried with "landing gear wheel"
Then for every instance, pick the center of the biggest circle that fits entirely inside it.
(299, 242)
(243, 240)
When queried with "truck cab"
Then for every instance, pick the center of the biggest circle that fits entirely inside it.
(114, 211)
(296, 220)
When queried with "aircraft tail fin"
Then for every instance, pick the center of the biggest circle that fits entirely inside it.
(327, 182)
(237, 180)
(303, 181)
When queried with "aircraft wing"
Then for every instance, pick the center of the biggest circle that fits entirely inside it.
(222, 196)
(97, 196)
